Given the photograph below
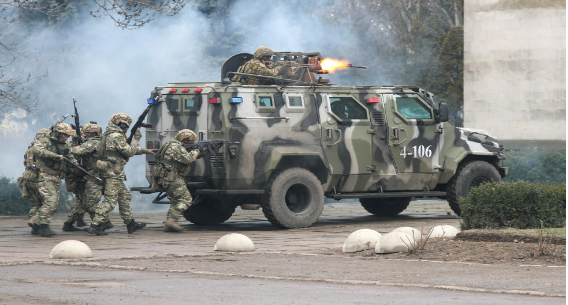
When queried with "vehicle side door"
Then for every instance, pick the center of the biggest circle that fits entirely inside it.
(347, 140)
(413, 134)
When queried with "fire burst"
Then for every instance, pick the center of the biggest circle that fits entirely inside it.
(330, 65)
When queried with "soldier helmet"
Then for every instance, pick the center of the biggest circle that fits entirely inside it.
(63, 128)
(92, 128)
(42, 133)
(186, 134)
(262, 52)
(121, 118)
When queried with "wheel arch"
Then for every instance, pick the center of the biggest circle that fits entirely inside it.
(283, 158)
(452, 163)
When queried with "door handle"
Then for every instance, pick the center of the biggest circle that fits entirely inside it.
(338, 140)
(396, 135)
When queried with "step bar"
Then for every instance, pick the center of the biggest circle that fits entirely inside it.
(340, 196)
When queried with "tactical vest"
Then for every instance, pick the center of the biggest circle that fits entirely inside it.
(49, 165)
(90, 160)
(169, 163)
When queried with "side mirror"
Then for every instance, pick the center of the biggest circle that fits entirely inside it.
(442, 115)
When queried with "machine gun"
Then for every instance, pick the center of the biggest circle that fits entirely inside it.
(77, 126)
(303, 67)
(140, 122)
(211, 146)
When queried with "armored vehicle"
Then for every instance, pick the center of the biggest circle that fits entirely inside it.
(301, 139)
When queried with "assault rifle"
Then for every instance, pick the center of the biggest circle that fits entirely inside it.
(82, 169)
(212, 146)
(140, 122)
(77, 125)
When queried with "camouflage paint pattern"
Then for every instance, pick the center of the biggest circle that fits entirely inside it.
(172, 160)
(393, 143)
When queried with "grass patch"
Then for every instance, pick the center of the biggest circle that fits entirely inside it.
(555, 232)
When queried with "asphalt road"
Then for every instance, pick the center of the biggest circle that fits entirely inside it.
(301, 266)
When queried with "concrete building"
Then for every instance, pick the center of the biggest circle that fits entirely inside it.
(515, 70)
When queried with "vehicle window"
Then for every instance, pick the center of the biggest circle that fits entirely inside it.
(173, 103)
(265, 101)
(347, 108)
(412, 108)
(189, 103)
(295, 101)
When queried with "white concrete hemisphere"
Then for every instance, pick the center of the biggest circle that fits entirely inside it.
(410, 231)
(360, 240)
(234, 242)
(395, 242)
(71, 249)
(443, 231)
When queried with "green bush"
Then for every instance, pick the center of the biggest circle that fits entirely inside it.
(536, 165)
(521, 205)
(12, 203)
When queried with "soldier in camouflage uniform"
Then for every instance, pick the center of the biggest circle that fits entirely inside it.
(28, 182)
(260, 65)
(172, 160)
(113, 153)
(51, 153)
(74, 183)
(88, 192)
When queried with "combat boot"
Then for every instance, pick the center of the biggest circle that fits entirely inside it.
(68, 227)
(94, 229)
(106, 225)
(80, 223)
(134, 226)
(45, 231)
(35, 229)
(171, 225)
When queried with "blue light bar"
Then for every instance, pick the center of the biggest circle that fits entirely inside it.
(236, 100)
(150, 101)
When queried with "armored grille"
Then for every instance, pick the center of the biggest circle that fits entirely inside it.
(379, 118)
(217, 160)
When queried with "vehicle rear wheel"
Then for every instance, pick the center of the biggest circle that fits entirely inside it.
(385, 206)
(469, 175)
(204, 212)
(294, 199)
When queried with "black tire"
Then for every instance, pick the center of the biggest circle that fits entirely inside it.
(294, 199)
(203, 212)
(469, 175)
(385, 206)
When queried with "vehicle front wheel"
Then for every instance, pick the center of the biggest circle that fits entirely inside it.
(469, 175)
(385, 206)
(294, 199)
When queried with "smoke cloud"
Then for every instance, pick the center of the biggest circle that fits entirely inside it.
(110, 70)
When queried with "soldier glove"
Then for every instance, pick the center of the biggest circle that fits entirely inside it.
(61, 158)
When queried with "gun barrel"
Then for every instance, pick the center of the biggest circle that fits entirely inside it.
(357, 67)
(139, 123)
(83, 170)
